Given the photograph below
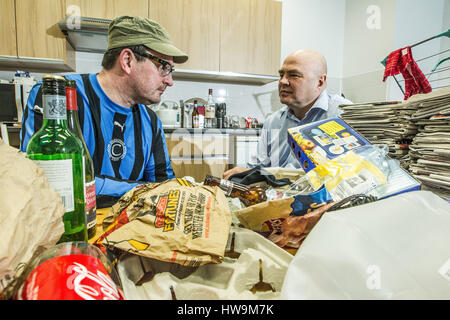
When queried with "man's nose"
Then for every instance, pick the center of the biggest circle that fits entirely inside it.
(284, 80)
(168, 80)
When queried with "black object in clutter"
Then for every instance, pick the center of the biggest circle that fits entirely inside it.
(352, 201)
(258, 174)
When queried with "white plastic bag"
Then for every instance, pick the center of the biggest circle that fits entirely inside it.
(396, 248)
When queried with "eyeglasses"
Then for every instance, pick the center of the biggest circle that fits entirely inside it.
(165, 68)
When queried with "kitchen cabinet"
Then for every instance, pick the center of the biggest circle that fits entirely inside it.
(194, 27)
(198, 154)
(107, 9)
(33, 40)
(250, 39)
(8, 29)
(242, 36)
(220, 36)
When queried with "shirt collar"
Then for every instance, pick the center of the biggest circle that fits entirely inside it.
(321, 102)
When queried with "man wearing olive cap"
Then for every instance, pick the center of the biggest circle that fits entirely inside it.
(124, 137)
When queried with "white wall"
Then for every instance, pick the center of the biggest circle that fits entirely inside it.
(369, 37)
(317, 25)
(417, 20)
(402, 23)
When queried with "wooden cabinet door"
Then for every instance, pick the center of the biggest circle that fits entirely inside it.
(198, 169)
(38, 33)
(197, 155)
(194, 27)
(8, 28)
(110, 9)
(250, 33)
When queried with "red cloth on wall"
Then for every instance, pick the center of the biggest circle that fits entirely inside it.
(401, 61)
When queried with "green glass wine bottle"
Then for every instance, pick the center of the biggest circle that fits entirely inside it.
(60, 154)
(89, 176)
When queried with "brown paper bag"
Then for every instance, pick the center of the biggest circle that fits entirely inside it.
(30, 213)
(174, 221)
(259, 217)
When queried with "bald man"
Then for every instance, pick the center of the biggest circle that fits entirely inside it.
(302, 88)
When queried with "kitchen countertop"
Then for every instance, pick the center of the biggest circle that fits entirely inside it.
(230, 131)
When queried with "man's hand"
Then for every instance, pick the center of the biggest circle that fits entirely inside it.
(235, 170)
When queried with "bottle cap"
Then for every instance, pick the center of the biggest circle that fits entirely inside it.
(53, 77)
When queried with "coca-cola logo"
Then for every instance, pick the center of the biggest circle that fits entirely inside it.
(82, 280)
(70, 277)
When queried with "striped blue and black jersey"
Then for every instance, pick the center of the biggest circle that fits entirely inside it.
(127, 145)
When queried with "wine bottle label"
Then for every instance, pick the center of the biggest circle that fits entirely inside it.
(195, 122)
(226, 186)
(90, 204)
(90, 195)
(54, 107)
(60, 177)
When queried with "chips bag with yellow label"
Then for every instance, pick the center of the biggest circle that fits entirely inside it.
(175, 221)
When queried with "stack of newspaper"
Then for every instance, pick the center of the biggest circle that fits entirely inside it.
(430, 149)
(386, 123)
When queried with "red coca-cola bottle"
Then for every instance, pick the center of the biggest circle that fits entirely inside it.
(71, 271)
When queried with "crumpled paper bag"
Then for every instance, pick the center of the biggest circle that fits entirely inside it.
(183, 224)
(30, 212)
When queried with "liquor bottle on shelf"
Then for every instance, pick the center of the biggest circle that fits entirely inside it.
(248, 195)
(60, 154)
(210, 111)
(195, 116)
(89, 176)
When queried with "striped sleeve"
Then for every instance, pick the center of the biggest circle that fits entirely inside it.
(32, 116)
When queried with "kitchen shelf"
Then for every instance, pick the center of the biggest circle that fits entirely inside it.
(10, 63)
(230, 131)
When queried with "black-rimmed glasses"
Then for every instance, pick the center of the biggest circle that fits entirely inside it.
(165, 68)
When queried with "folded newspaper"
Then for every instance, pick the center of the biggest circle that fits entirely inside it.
(417, 132)
(384, 122)
(430, 148)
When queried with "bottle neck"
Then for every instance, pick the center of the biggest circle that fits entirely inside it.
(212, 181)
(55, 113)
(226, 184)
(72, 121)
(49, 123)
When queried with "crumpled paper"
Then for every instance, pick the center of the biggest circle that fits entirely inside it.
(30, 212)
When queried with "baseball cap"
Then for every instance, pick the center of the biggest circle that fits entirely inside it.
(127, 31)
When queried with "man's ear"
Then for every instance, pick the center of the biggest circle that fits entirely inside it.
(322, 81)
(126, 60)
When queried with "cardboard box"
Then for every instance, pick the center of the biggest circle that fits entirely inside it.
(323, 140)
(320, 141)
